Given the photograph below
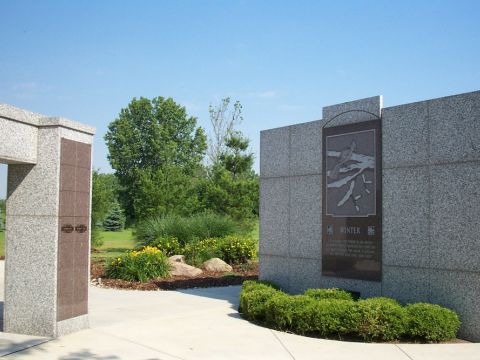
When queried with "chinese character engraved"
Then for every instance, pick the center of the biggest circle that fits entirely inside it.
(371, 231)
(330, 230)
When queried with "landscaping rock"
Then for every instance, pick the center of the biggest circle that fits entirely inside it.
(216, 265)
(177, 258)
(182, 269)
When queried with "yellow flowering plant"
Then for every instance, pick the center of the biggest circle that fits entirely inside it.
(141, 265)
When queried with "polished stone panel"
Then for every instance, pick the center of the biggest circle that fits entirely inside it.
(353, 111)
(304, 274)
(455, 240)
(455, 128)
(275, 269)
(275, 152)
(274, 212)
(406, 284)
(306, 148)
(305, 216)
(459, 291)
(411, 148)
(406, 217)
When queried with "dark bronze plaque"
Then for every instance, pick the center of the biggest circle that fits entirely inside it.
(81, 228)
(352, 201)
(67, 228)
(73, 245)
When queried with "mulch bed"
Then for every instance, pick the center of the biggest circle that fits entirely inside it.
(206, 279)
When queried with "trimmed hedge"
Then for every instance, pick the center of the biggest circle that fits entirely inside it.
(254, 297)
(333, 313)
(432, 322)
(380, 319)
(321, 294)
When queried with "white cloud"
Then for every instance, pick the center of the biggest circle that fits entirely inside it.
(28, 90)
(268, 94)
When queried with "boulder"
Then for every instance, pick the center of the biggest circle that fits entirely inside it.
(182, 269)
(177, 258)
(216, 265)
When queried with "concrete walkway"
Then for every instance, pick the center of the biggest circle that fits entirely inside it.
(203, 324)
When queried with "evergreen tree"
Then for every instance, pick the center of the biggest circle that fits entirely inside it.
(115, 220)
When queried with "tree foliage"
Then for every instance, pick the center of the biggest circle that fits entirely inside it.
(115, 220)
(149, 141)
(105, 190)
(233, 187)
(223, 121)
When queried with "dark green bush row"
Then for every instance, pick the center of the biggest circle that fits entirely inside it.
(185, 229)
(333, 313)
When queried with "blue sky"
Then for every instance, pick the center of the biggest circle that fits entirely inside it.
(284, 61)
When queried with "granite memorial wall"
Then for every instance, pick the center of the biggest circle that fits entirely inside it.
(380, 201)
(47, 244)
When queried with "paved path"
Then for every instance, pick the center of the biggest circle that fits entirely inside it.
(204, 324)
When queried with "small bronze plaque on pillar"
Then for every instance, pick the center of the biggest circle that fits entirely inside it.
(352, 201)
(67, 228)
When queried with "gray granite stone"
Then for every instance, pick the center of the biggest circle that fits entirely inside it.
(30, 275)
(32, 219)
(275, 269)
(24, 181)
(366, 288)
(353, 111)
(306, 216)
(21, 115)
(455, 128)
(405, 135)
(66, 123)
(69, 326)
(275, 152)
(274, 216)
(306, 148)
(459, 291)
(21, 148)
(75, 135)
(455, 213)
(406, 284)
(405, 217)
(304, 274)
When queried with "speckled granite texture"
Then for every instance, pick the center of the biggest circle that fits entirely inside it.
(431, 203)
(30, 144)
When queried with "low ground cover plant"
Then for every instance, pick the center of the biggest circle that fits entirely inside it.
(148, 263)
(334, 313)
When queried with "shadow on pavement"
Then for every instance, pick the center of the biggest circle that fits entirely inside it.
(227, 293)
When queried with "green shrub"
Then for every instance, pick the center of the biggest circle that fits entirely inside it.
(332, 317)
(168, 245)
(380, 319)
(289, 312)
(253, 299)
(432, 322)
(236, 250)
(185, 229)
(143, 265)
(321, 294)
(255, 284)
(199, 251)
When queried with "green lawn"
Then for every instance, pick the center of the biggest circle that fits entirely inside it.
(2, 243)
(115, 243)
